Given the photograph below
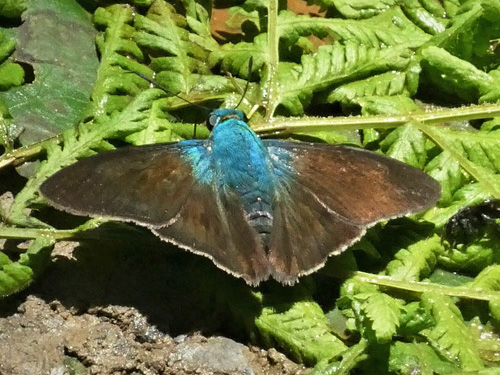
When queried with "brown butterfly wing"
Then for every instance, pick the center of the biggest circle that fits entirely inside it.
(147, 185)
(328, 195)
(221, 232)
(154, 186)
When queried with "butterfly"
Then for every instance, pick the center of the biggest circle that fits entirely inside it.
(258, 209)
(470, 221)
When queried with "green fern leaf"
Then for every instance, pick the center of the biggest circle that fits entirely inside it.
(489, 279)
(416, 262)
(430, 16)
(390, 28)
(82, 143)
(385, 84)
(386, 105)
(115, 87)
(406, 357)
(11, 74)
(470, 31)
(235, 57)
(302, 329)
(358, 9)
(459, 77)
(16, 276)
(382, 312)
(377, 315)
(477, 153)
(12, 8)
(407, 144)
(332, 65)
(450, 336)
(445, 169)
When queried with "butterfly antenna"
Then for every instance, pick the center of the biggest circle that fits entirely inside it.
(250, 64)
(163, 88)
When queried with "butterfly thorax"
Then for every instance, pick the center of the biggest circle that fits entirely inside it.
(243, 166)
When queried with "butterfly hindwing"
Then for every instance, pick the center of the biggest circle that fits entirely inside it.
(337, 192)
(213, 223)
(305, 233)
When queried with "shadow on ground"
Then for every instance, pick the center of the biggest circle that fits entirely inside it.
(124, 306)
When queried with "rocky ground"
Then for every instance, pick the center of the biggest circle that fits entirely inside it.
(118, 309)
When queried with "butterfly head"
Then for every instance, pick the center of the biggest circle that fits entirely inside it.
(220, 115)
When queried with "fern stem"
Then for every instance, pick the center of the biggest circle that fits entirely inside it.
(471, 168)
(272, 64)
(13, 233)
(311, 124)
(421, 287)
(26, 152)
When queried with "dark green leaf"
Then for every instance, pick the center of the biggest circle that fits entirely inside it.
(64, 75)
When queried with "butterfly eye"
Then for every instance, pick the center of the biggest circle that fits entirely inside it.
(212, 121)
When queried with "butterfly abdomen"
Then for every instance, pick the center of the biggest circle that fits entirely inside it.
(244, 166)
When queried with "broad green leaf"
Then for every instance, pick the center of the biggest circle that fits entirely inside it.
(416, 262)
(450, 336)
(302, 329)
(63, 76)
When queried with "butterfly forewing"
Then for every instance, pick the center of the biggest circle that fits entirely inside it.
(327, 196)
(147, 185)
(359, 185)
(155, 186)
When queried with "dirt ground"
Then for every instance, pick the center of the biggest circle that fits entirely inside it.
(119, 309)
